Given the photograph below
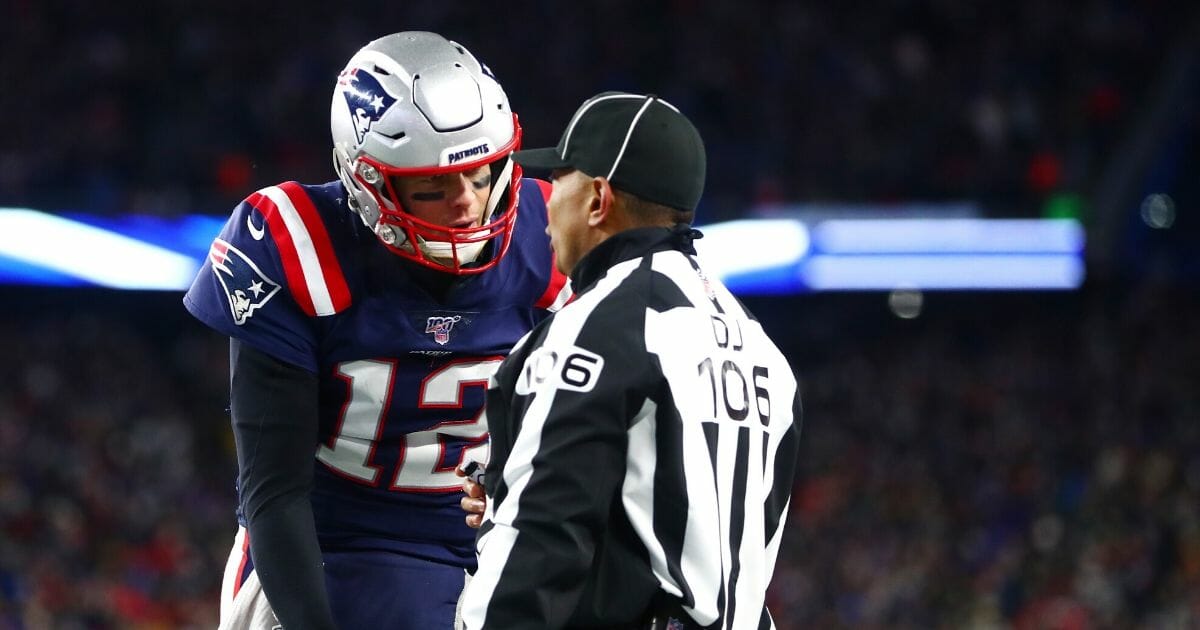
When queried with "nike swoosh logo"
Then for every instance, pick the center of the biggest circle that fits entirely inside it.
(256, 232)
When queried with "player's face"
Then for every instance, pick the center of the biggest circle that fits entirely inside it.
(569, 207)
(454, 200)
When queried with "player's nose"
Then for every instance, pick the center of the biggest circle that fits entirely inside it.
(461, 192)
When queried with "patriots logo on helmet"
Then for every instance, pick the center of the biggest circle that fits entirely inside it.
(440, 327)
(246, 286)
(365, 97)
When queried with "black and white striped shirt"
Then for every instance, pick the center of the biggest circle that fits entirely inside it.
(644, 442)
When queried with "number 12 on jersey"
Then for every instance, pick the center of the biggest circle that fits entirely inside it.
(420, 467)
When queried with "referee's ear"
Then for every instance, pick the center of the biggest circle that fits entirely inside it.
(603, 201)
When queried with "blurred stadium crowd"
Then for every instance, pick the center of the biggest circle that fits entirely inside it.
(187, 106)
(1011, 462)
(115, 486)
(1024, 461)
(1036, 469)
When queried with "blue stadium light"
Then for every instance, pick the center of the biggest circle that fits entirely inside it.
(738, 247)
(777, 256)
(754, 256)
(942, 272)
(957, 236)
(35, 245)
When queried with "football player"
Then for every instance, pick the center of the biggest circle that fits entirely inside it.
(365, 316)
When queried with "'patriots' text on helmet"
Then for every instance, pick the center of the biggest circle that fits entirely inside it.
(417, 104)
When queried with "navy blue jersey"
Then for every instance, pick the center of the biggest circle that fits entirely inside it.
(296, 274)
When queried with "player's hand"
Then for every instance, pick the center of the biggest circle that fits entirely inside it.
(475, 501)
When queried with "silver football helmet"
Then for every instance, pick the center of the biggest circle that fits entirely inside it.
(417, 104)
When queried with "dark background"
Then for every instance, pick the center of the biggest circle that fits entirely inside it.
(1006, 459)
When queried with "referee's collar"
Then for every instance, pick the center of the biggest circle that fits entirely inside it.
(628, 245)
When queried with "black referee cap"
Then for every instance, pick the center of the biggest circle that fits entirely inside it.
(642, 144)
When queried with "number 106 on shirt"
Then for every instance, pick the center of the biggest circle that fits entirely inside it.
(727, 379)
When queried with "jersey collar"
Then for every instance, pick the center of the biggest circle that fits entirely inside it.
(628, 245)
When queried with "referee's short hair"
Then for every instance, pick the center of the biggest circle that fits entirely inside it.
(650, 213)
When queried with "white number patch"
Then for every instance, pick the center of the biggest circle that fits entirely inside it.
(573, 369)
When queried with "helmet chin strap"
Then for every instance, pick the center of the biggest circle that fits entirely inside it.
(468, 252)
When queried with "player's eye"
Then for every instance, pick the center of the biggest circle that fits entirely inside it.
(483, 180)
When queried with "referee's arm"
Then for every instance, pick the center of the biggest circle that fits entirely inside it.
(559, 483)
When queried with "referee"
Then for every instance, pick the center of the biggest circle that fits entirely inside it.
(644, 438)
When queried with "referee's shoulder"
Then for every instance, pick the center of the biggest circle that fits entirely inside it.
(661, 286)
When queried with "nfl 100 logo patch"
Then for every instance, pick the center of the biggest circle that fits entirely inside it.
(441, 326)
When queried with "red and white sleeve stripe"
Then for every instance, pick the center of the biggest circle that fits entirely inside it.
(314, 275)
(546, 187)
(558, 291)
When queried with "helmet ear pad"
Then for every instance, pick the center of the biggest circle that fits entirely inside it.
(358, 199)
(417, 104)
